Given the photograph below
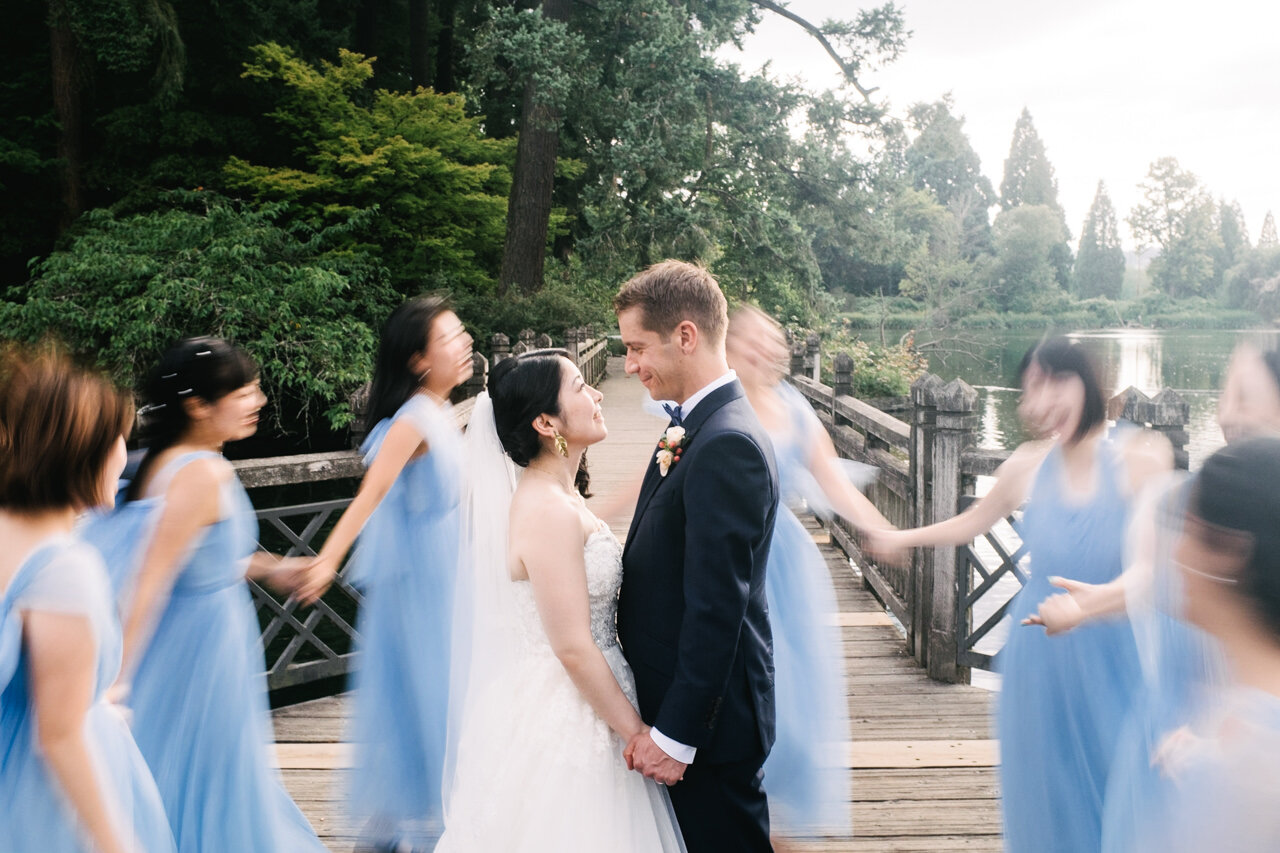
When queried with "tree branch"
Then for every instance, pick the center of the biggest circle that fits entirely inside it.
(817, 33)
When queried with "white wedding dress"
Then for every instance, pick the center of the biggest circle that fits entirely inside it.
(537, 770)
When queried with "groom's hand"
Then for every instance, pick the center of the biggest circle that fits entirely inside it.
(645, 756)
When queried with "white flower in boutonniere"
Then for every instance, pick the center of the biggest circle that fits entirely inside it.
(670, 447)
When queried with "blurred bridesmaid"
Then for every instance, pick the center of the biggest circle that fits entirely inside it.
(1182, 665)
(1223, 764)
(407, 563)
(805, 775)
(179, 550)
(1062, 701)
(71, 777)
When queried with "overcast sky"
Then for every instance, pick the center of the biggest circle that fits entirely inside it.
(1112, 85)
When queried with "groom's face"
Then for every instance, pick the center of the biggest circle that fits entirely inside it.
(654, 358)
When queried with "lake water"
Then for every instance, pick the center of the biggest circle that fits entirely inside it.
(1191, 362)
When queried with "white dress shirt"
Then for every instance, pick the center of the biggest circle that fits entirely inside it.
(679, 751)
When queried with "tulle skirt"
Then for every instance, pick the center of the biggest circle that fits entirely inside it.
(539, 772)
(201, 720)
(36, 816)
(807, 782)
(1063, 703)
(400, 707)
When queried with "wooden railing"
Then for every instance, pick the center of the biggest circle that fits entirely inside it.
(929, 465)
(306, 644)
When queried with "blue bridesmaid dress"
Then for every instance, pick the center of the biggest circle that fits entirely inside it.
(198, 695)
(406, 562)
(1063, 700)
(1183, 670)
(805, 775)
(65, 576)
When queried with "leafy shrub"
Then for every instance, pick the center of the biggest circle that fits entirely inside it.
(126, 287)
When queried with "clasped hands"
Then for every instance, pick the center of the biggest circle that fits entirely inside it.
(305, 578)
(647, 758)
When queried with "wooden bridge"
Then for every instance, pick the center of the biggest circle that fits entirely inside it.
(921, 758)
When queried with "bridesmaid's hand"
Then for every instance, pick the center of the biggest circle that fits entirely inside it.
(886, 545)
(315, 578)
(1065, 611)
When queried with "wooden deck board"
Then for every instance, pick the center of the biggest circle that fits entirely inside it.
(921, 757)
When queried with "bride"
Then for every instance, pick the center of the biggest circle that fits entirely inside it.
(547, 701)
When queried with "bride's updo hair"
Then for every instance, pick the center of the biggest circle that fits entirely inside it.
(522, 388)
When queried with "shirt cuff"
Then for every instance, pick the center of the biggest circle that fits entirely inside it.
(674, 749)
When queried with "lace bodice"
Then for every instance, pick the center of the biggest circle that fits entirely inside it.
(603, 555)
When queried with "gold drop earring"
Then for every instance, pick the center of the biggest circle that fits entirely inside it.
(562, 446)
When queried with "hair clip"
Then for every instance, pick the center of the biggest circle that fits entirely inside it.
(168, 375)
(203, 353)
(185, 392)
(147, 410)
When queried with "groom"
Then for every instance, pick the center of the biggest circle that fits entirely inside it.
(692, 617)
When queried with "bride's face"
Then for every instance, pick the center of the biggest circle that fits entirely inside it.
(583, 421)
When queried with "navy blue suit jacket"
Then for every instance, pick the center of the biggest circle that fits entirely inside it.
(692, 617)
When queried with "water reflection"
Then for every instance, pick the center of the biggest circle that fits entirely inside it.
(1192, 362)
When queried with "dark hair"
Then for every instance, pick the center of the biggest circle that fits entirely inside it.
(58, 425)
(404, 335)
(1060, 356)
(671, 292)
(1236, 491)
(206, 368)
(522, 388)
(1271, 358)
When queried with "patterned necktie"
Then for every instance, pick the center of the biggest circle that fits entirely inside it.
(677, 419)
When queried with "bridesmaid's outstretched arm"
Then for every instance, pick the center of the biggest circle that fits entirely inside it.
(1012, 486)
(403, 442)
(846, 500)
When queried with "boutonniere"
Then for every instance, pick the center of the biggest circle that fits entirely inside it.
(670, 447)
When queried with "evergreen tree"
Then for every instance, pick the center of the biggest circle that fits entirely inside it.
(1029, 180)
(1178, 216)
(1099, 267)
(1028, 175)
(1234, 237)
(942, 160)
(1268, 239)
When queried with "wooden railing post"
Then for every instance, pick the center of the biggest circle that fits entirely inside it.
(955, 431)
(920, 466)
(797, 359)
(543, 341)
(499, 347)
(524, 342)
(843, 387)
(478, 382)
(1166, 413)
(813, 356)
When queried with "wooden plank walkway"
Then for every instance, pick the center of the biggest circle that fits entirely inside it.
(921, 757)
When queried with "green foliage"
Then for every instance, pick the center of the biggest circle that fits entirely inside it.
(1178, 216)
(942, 160)
(1267, 239)
(1028, 174)
(570, 298)
(1023, 275)
(1099, 268)
(439, 184)
(1254, 283)
(878, 371)
(127, 287)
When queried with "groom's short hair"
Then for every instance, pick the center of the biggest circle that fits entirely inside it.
(670, 292)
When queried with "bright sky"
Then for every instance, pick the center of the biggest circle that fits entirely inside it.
(1112, 86)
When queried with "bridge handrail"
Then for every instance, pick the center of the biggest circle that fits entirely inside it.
(929, 465)
(305, 645)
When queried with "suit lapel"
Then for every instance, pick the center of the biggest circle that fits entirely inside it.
(653, 478)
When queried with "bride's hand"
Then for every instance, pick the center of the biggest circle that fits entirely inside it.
(629, 751)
